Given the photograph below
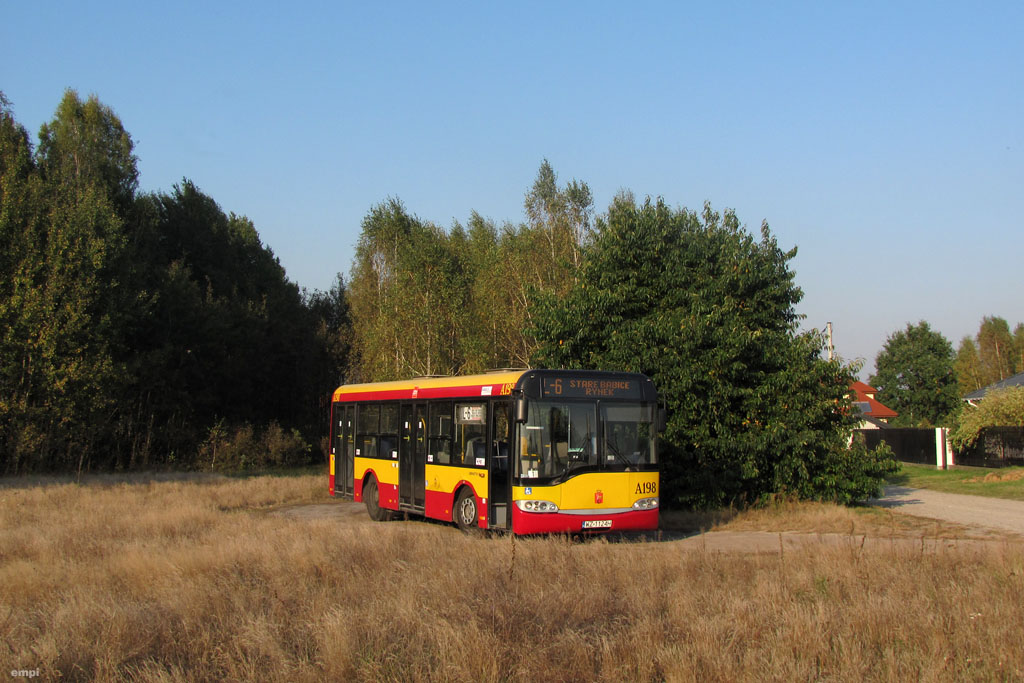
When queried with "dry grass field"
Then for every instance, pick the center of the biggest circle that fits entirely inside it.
(189, 578)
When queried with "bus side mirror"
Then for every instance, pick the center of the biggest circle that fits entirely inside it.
(522, 410)
(662, 419)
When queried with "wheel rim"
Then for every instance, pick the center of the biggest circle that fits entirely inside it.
(467, 511)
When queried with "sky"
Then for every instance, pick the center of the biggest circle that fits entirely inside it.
(884, 140)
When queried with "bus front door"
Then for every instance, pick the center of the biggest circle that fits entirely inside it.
(501, 443)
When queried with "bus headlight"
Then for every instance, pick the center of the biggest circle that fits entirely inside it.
(536, 506)
(646, 504)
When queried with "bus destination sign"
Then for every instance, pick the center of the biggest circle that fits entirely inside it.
(584, 387)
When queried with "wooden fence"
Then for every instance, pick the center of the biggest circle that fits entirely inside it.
(923, 446)
(995, 447)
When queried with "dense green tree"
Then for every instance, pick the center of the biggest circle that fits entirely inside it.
(22, 218)
(225, 334)
(1018, 348)
(914, 376)
(333, 329)
(992, 355)
(333, 318)
(485, 334)
(996, 349)
(407, 295)
(562, 217)
(543, 255)
(967, 367)
(143, 330)
(63, 241)
(504, 267)
(86, 146)
(708, 313)
(429, 301)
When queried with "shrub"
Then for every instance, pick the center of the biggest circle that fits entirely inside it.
(243, 448)
(999, 408)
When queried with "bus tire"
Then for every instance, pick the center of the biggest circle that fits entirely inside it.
(371, 496)
(465, 513)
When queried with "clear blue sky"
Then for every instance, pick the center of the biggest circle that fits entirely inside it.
(884, 140)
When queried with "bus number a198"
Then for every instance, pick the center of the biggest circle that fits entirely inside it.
(647, 487)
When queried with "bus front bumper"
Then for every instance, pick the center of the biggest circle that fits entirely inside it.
(564, 522)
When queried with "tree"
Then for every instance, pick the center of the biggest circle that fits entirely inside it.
(63, 241)
(993, 355)
(1018, 348)
(914, 376)
(708, 312)
(466, 292)
(225, 334)
(136, 329)
(543, 255)
(406, 296)
(967, 367)
(485, 338)
(996, 349)
(22, 221)
(563, 217)
(333, 328)
(85, 146)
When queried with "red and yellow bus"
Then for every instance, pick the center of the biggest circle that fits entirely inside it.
(526, 451)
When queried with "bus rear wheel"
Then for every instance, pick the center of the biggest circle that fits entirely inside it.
(465, 510)
(371, 496)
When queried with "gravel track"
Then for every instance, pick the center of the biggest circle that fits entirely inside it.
(975, 511)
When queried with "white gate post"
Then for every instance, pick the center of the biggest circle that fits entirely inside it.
(943, 449)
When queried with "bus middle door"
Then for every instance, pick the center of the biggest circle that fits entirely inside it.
(412, 456)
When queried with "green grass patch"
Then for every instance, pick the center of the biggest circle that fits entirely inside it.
(1007, 482)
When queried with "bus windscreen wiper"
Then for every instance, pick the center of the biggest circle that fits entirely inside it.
(619, 456)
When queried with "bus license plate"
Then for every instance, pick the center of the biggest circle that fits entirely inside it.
(597, 524)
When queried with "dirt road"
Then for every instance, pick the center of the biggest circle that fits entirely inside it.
(354, 514)
(990, 513)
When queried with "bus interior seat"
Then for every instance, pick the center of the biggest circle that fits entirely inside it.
(475, 448)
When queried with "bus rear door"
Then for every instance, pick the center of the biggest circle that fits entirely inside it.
(344, 426)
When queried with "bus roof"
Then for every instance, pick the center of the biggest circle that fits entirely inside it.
(578, 384)
(489, 384)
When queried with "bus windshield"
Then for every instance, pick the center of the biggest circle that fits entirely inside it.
(562, 437)
(628, 434)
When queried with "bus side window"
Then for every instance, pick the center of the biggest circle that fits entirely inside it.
(369, 423)
(471, 434)
(389, 430)
(440, 432)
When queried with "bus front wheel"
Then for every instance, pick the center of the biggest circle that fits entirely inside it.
(465, 510)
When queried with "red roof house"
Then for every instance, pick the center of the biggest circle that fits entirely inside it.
(864, 401)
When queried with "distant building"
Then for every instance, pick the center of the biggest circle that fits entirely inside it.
(1015, 381)
(874, 415)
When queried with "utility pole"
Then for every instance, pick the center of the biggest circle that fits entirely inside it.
(828, 326)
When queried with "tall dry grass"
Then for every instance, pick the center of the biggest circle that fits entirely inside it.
(181, 580)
